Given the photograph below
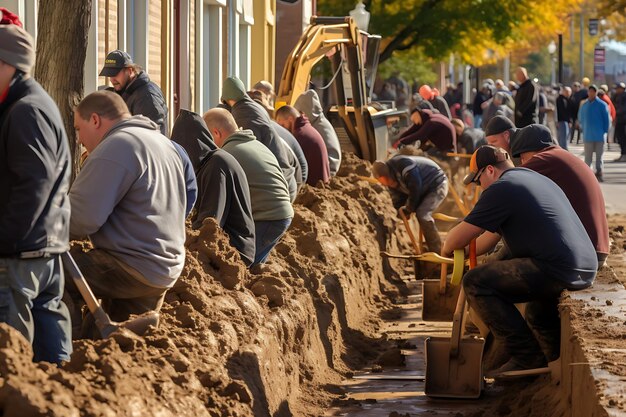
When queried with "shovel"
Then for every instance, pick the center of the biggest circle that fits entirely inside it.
(454, 365)
(137, 325)
(438, 299)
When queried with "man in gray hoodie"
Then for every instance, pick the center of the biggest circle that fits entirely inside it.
(129, 199)
(309, 104)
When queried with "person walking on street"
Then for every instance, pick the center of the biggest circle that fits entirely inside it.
(526, 99)
(550, 251)
(593, 117)
(417, 185)
(35, 171)
(579, 95)
(620, 120)
(564, 108)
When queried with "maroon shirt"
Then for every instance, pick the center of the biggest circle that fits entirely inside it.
(435, 128)
(581, 188)
(314, 150)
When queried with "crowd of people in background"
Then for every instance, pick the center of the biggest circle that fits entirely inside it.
(569, 111)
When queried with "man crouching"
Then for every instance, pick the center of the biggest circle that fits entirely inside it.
(129, 199)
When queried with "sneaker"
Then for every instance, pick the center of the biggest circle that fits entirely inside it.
(599, 177)
(622, 158)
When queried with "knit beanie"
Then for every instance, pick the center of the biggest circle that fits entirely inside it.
(426, 92)
(16, 45)
(233, 89)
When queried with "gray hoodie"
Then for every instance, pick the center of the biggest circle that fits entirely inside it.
(129, 198)
(309, 104)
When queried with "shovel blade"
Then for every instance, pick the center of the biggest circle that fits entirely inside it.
(436, 306)
(137, 324)
(460, 376)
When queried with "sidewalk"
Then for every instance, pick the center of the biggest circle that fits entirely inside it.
(614, 183)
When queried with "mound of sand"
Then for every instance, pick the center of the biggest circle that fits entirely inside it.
(232, 343)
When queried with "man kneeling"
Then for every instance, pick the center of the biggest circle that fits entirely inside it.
(550, 251)
(129, 199)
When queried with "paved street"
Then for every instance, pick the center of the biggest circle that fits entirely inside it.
(614, 185)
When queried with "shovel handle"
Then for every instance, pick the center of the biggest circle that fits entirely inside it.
(459, 312)
(443, 278)
(102, 319)
(459, 202)
(416, 246)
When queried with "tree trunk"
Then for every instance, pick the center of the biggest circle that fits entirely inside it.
(61, 51)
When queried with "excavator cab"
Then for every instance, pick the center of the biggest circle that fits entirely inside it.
(366, 128)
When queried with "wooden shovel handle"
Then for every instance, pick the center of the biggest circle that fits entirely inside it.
(416, 246)
(459, 312)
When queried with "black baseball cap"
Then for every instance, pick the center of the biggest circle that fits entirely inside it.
(114, 62)
(620, 85)
(498, 124)
(534, 137)
(484, 156)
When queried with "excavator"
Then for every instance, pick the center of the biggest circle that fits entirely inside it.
(364, 127)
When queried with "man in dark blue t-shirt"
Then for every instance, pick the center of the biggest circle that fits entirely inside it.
(550, 251)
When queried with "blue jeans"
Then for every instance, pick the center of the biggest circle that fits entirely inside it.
(598, 149)
(563, 134)
(30, 301)
(268, 233)
(478, 119)
(494, 288)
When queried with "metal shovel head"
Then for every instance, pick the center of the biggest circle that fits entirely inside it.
(136, 324)
(458, 376)
(436, 306)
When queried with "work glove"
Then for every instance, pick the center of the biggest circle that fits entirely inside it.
(404, 210)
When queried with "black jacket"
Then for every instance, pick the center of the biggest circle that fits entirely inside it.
(564, 108)
(223, 191)
(620, 108)
(142, 96)
(34, 172)
(526, 104)
(417, 176)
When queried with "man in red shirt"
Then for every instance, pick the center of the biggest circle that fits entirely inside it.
(434, 131)
(310, 140)
(534, 145)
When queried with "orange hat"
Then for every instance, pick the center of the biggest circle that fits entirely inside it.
(484, 156)
(426, 92)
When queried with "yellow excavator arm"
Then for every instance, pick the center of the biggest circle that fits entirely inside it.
(340, 39)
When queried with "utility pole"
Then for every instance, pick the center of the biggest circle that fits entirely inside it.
(560, 58)
(582, 45)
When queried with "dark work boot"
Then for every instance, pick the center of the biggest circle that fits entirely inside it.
(431, 235)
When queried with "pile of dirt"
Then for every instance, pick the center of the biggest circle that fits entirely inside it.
(232, 343)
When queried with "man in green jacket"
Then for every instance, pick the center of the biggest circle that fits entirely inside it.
(269, 192)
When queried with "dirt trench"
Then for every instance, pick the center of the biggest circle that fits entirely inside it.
(232, 343)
